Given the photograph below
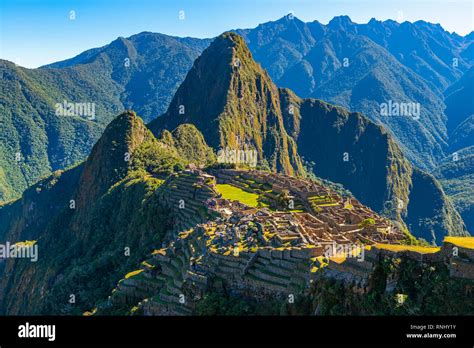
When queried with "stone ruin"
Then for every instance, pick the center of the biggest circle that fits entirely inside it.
(261, 252)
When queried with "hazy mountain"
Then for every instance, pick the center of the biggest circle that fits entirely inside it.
(456, 174)
(34, 140)
(147, 68)
(455, 171)
(460, 111)
(142, 72)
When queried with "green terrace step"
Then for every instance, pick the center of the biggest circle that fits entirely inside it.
(122, 285)
(298, 282)
(169, 299)
(188, 220)
(303, 266)
(205, 193)
(182, 309)
(181, 259)
(285, 264)
(165, 292)
(224, 272)
(177, 262)
(302, 273)
(170, 270)
(274, 276)
(186, 179)
(263, 276)
(263, 260)
(172, 289)
(177, 283)
(265, 283)
(150, 284)
(186, 213)
(140, 294)
(155, 280)
(189, 207)
(230, 270)
(231, 263)
(157, 299)
(188, 182)
(196, 278)
(276, 269)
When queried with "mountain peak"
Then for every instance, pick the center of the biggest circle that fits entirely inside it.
(111, 156)
(340, 22)
(230, 41)
(230, 37)
(232, 100)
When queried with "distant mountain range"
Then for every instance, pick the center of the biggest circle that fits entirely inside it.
(359, 66)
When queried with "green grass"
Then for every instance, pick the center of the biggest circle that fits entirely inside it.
(233, 193)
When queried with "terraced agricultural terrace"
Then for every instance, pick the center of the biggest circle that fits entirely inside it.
(275, 246)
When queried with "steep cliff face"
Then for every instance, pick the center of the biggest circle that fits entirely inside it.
(90, 223)
(430, 213)
(27, 217)
(111, 157)
(350, 149)
(360, 66)
(456, 174)
(233, 102)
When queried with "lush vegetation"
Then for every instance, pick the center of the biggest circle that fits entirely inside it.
(92, 223)
(112, 77)
(233, 193)
(456, 175)
(238, 109)
(220, 303)
(421, 289)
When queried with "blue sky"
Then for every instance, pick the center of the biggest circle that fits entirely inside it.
(37, 32)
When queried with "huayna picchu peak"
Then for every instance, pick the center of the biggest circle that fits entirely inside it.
(236, 106)
(291, 169)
